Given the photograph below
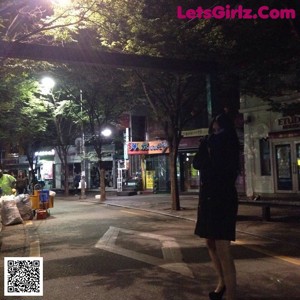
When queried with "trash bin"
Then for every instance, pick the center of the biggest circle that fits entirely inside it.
(41, 199)
(35, 201)
(44, 196)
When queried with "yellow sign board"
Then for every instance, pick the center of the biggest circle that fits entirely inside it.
(149, 179)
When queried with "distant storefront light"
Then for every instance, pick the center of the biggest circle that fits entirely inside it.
(151, 147)
(45, 153)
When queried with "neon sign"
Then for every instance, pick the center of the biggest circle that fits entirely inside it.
(151, 147)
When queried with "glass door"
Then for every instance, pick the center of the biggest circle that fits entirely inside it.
(283, 167)
(287, 166)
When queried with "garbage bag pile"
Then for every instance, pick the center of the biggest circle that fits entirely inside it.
(15, 209)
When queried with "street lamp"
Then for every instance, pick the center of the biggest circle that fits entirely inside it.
(106, 132)
(47, 84)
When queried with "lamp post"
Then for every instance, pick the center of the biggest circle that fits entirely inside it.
(47, 84)
(82, 181)
(104, 133)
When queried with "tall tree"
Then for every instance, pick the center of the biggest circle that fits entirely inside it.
(21, 111)
(175, 100)
(63, 126)
(104, 99)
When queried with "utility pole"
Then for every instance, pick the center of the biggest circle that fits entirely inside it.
(82, 181)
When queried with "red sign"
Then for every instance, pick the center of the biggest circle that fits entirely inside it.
(151, 147)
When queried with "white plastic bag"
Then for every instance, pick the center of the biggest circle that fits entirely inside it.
(52, 193)
(24, 206)
(10, 213)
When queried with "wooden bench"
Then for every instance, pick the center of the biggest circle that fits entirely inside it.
(267, 204)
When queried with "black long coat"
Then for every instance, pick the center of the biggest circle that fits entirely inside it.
(218, 201)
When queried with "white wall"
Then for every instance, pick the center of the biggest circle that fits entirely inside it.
(258, 123)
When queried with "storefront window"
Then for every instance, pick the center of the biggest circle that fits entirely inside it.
(265, 162)
(283, 167)
(188, 177)
(191, 175)
(160, 167)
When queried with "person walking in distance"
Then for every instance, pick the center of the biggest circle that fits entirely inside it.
(22, 183)
(218, 162)
(77, 179)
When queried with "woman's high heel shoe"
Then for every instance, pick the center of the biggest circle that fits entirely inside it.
(217, 295)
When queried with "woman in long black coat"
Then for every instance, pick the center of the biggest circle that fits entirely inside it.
(218, 162)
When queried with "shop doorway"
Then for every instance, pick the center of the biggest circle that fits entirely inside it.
(189, 177)
(287, 165)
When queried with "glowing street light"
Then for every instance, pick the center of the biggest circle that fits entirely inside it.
(106, 132)
(47, 84)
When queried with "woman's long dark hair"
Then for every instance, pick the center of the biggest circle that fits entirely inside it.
(227, 124)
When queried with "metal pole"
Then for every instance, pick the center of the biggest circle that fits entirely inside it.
(82, 182)
(209, 98)
(120, 178)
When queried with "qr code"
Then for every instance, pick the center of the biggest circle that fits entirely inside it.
(23, 276)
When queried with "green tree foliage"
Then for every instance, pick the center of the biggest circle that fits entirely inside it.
(263, 51)
(63, 122)
(266, 52)
(263, 54)
(32, 119)
(246, 47)
(21, 110)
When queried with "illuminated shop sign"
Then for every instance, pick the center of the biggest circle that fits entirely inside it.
(151, 147)
(195, 132)
(289, 122)
(45, 153)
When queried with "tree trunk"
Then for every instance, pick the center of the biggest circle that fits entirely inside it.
(102, 184)
(32, 175)
(173, 180)
(63, 156)
(66, 173)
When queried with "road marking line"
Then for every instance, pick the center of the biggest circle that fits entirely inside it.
(288, 259)
(34, 249)
(34, 246)
(130, 212)
(172, 256)
(109, 237)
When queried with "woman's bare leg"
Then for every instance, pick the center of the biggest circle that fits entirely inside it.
(212, 250)
(223, 251)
